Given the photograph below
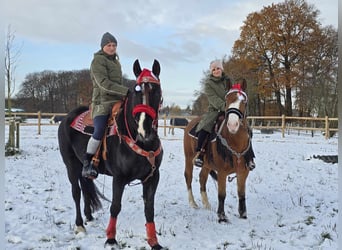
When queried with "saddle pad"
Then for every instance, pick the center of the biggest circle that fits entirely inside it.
(84, 124)
(192, 133)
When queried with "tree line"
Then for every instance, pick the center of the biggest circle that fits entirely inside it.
(289, 60)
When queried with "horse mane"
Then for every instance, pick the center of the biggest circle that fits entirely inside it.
(224, 152)
(221, 150)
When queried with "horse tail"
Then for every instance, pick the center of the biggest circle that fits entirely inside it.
(90, 191)
(213, 174)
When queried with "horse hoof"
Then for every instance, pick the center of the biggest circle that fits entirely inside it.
(207, 206)
(79, 229)
(243, 216)
(222, 218)
(157, 247)
(194, 205)
(111, 243)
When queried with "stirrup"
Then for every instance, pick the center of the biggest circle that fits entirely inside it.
(197, 160)
(89, 171)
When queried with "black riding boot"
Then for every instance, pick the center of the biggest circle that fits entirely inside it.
(89, 171)
(250, 159)
(198, 159)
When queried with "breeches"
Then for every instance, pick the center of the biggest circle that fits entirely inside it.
(100, 124)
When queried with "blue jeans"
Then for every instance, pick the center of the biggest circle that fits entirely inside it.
(100, 125)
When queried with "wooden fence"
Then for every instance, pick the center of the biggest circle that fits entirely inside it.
(267, 123)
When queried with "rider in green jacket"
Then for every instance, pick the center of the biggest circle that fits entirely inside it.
(215, 88)
(106, 76)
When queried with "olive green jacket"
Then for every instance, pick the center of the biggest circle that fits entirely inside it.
(215, 89)
(106, 75)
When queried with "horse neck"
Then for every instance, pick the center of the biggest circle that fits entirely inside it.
(238, 141)
(128, 127)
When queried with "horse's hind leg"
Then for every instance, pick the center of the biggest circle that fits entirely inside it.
(203, 187)
(188, 172)
(115, 208)
(76, 195)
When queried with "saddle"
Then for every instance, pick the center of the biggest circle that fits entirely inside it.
(85, 124)
(213, 134)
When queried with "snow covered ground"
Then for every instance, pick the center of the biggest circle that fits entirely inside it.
(292, 200)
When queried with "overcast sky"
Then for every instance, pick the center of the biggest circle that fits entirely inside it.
(183, 35)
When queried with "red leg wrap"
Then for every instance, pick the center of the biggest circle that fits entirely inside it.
(151, 234)
(111, 229)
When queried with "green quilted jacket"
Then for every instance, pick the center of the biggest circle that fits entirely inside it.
(106, 75)
(215, 89)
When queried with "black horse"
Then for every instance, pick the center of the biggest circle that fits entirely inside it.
(133, 153)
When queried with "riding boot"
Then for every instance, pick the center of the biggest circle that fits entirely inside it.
(251, 165)
(202, 138)
(89, 171)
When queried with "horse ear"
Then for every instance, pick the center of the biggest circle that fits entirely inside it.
(228, 84)
(136, 68)
(156, 68)
(244, 85)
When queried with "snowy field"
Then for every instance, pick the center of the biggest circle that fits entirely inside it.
(292, 200)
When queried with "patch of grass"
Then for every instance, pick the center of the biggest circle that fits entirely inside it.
(309, 220)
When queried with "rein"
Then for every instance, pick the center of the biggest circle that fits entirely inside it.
(237, 154)
(150, 155)
(225, 143)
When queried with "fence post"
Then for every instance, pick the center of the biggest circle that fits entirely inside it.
(283, 126)
(17, 134)
(11, 135)
(327, 133)
(39, 122)
(164, 124)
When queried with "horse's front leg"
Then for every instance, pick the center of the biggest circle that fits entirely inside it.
(221, 182)
(115, 208)
(149, 191)
(241, 176)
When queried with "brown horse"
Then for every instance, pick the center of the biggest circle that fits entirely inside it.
(226, 154)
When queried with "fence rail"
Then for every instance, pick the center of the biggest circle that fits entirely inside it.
(282, 123)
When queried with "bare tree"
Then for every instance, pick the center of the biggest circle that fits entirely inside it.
(11, 57)
(12, 54)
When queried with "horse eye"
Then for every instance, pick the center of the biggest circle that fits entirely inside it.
(137, 88)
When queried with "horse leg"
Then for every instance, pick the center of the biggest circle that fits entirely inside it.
(241, 176)
(149, 191)
(87, 200)
(188, 180)
(203, 177)
(115, 209)
(76, 193)
(221, 183)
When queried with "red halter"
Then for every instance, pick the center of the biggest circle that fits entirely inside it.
(147, 76)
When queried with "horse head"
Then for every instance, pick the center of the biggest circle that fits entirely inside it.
(143, 103)
(236, 106)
